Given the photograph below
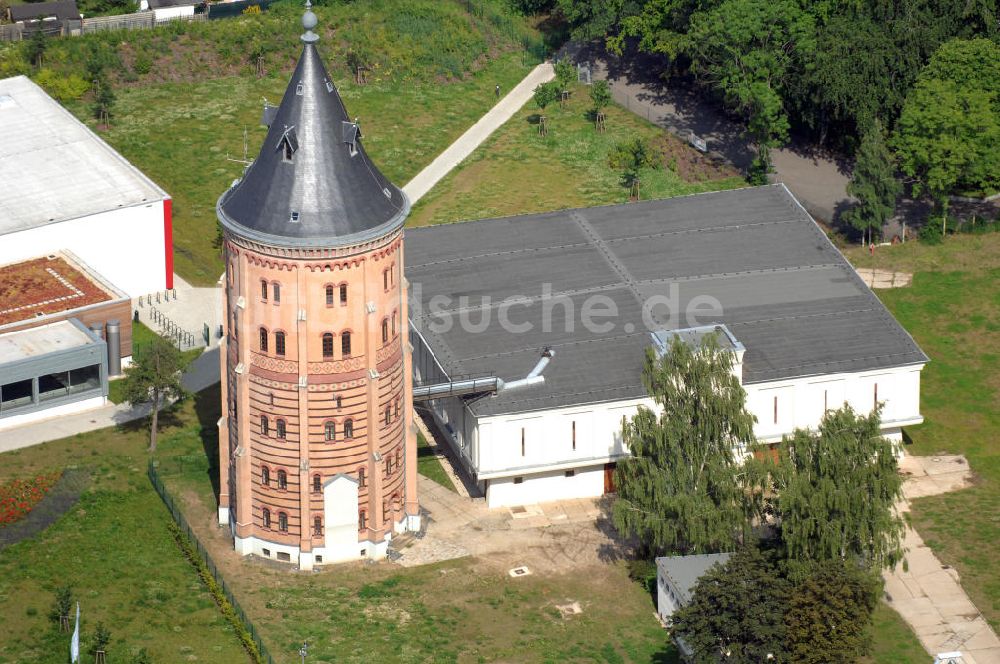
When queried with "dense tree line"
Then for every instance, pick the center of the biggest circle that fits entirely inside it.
(832, 70)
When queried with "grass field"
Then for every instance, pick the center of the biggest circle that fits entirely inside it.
(114, 550)
(517, 171)
(180, 134)
(429, 466)
(953, 311)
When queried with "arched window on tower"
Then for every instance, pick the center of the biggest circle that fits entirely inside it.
(361, 477)
(276, 290)
(385, 330)
(394, 324)
(263, 340)
(362, 519)
(263, 290)
(282, 480)
(345, 344)
(327, 344)
(343, 293)
(317, 483)
(282, 522)
(329, 296)
(388, 415)
(265, 517)
(279, 343)
(279, 425)
(265, 427)
(317, 525)
(348, 429)
(330, 431)
(265, 476)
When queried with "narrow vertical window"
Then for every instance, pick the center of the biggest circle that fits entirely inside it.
(362, 519)
(388, 466)
(263, 340)
(317, 526)
(265, 516)
(271, 397)
(329, 296)
(385, 330)
(263, 290)
(343, 293)
(282, 522)
(282, 480)
(388, 415)
(279, 343)
(327, 345)
(317, 483)
(265, 427)
(276, 289)
(348, 429)
(574, 435)
(337, 401)
(397, 409)
(775, 410)
(385, 279)
(280, 426)
(522, 441)
(397, 464)
(345, 344)
(265, 476)
(330, 431)
(361, 477)
(394, 324)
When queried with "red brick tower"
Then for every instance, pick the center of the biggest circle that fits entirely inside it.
(317, 448)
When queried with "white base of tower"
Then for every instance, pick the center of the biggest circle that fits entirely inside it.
(223, 516)
(319, 556)
(412, 523)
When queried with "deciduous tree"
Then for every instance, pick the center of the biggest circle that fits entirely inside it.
(682, 489)
(154, 377)
(836, 491)
(736, 613)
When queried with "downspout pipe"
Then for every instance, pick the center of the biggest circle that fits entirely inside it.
(535, 377)
(484, 385)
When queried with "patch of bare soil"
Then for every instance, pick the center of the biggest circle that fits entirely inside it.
(688, 163)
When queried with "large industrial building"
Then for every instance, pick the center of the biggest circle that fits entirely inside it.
(598, 287)
(317, 448)
(65, 188)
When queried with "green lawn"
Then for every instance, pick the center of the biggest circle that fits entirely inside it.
(429, 465)
(114, 549)
(517, 171)
(894, 642)
(955, 317)
(142, 335)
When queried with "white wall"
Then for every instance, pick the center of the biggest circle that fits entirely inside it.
(125, 246)
(167, 13)
(546, 487)
(491, 447)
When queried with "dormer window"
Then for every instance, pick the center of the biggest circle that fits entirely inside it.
(288, 144)
(294, 217)
(352, 134)
(298, 89)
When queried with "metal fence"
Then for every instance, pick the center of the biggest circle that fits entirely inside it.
(178, 516)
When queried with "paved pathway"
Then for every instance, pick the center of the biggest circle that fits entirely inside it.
(927, 594)
(188, 307)
(477, 133)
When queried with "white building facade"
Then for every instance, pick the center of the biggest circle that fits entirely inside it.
(65, 188)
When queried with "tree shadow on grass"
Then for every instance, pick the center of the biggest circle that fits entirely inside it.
(59, 500)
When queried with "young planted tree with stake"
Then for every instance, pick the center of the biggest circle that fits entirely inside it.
(154, 377)
(545, 94)
(600, 96)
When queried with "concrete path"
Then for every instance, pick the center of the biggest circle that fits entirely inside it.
(477, 133)
(187, 307)
(877, 278)
(928, 594)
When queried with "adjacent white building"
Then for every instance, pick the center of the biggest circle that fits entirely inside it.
(65, 188)
(601, 285)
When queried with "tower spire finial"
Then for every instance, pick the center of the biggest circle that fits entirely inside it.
(309, 22)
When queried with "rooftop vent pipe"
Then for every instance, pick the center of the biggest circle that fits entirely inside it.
(483, 385)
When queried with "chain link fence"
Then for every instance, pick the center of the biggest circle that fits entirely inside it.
(178, 516)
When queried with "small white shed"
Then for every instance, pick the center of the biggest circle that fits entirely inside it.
(676, 576)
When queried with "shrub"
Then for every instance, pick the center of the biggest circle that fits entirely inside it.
(61, 87)
(63, 604)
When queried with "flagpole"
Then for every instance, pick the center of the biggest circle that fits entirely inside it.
(74, 644)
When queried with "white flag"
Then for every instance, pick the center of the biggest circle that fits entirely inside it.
(74, 645)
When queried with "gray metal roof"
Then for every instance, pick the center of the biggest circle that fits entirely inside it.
(784, 290)
(53, 168)
(61, 9)
(340, 197)
(684, 571)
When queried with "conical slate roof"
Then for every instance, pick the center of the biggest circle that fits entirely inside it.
(312, 183)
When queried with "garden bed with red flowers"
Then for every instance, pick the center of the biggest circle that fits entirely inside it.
(19, 497)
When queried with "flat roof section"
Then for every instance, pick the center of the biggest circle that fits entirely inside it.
(48, 285)
(38, 341)
(54, 168)
(488, 295)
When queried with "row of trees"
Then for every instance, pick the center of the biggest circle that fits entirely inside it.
(921, 73)
(822, 508)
